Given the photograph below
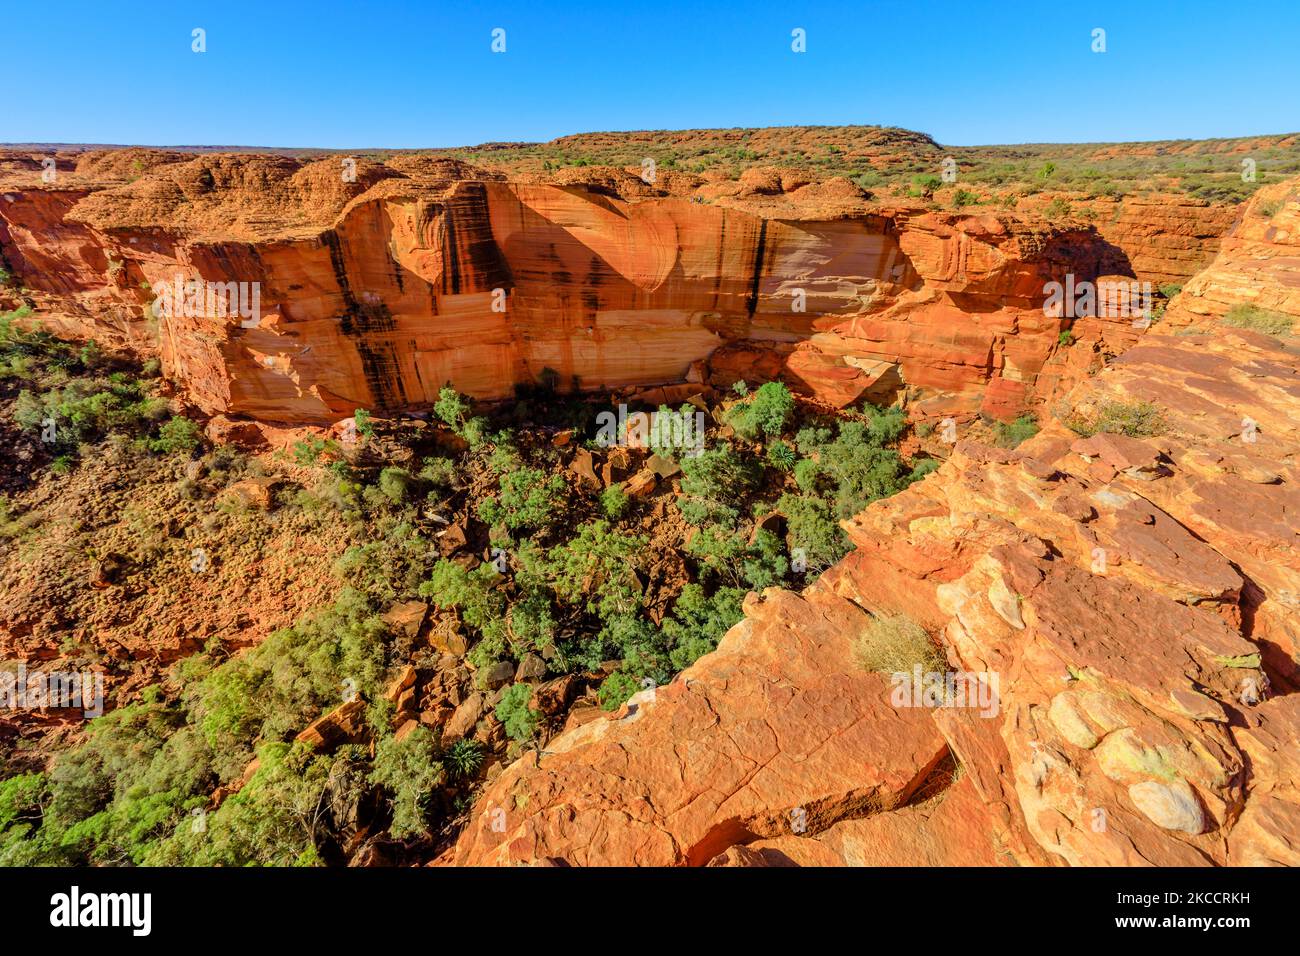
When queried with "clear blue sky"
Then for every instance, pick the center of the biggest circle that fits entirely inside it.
(409, 74)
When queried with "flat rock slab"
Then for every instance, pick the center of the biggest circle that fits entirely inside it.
(779, 727)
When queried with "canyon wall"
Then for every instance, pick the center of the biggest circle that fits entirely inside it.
(375, 293)
(1258, 263)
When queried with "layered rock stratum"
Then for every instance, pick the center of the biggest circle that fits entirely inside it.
(379, 283)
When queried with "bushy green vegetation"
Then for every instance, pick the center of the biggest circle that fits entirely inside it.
(408, 771)
(616, 689)
(519, 720)
(70, 395)
(614, 502)
(845, 466)
(782, 456)
(136, 790)
(578, 584)
(765, 414)
(457, 412)
(1011, 434)
(529, 499)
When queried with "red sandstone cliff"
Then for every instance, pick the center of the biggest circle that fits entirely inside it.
(377, 292)
(1258, 263)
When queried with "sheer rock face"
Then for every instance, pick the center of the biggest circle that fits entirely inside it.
(1258, 263)
(1163, 239)
(377, 290)
(1135, 598)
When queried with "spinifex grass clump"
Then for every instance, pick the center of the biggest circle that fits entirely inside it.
(895, 644)
(1137, 419)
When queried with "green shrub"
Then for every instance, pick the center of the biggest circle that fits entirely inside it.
(1058, 208)
(439, 472)
(396, 484)
(813, 528)
(177, 436)
(519, 720)
(613, 502)
(720, 475)
(528, 498)
(925, 186)
(699, 621)
(616, 689)
(1011, 434)
(473, 593)
(862, 470)
(309, 452)
(782, 456)
(408, 772)
(922, 468)
(288, 680)
(767, 413)
(463, 758)
(21, 799)
(596, 569)
(391, 565)
(884, 425)
(362, 419)
(505, 456)
(273, 820)
(86, 409)
(452, 407)
(810, 476)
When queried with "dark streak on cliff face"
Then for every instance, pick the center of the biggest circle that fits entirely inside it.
(360, 320)
(480, 253)
(451, 273)
(383, 376)
(751, 302)
(397, 267)
(330, 239)
(717, 262)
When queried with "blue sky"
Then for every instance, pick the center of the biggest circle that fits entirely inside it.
(376, 74)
